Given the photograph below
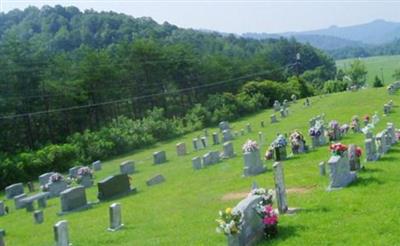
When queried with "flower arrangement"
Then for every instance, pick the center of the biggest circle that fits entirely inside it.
(354, 125)
(314, 132)
(269, 219)
(229, 222)
(334, 124)
(56, 178)
(366, 118)
(250, 146)
(267, 195)
(85, 171)
(338, 149)
(358, 152)
(355, 118)
(296, 136)
(269, 154)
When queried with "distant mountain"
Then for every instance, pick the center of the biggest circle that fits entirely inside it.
(378, 32)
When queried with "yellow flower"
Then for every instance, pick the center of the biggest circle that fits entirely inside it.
(228, 210)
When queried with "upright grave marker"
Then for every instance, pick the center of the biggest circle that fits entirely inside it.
(113, 187)
(181, 149)
(280, 188)
(340, 174)
(14, 190)
(61, 235)
(73, 199)
(159, 157)
(115, 217)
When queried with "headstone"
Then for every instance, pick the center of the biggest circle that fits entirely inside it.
(386, 109)
(2, 243)
(354, 161)
(44, 178)
(73, 171)
(226, 136)
(113, 186)
(73, 199)
(206, 132)
(61, 233)
(2, 209)
(196, 163)
(14, 190)
(207, 160)
(29, 207)
(195, 144)
(215, 138)
(127, 167)
(375, 119)
(17, 201)
(224, 125)
(252, 163)
(277, 106)
(340, 174)
(381, 143)
(248, 127)
(370, 150)
(181, 149)
(282, 112)
(392, 132)
(159, 157)
(38, 216)
(31, 186)
(261, 137)
(57, 187)
(215, 156)
(280, 187)
(204, 142)
(96, 166)
(155, 180)
(42, 202)
(115, 217)
(262, 123)
(252, 227)
(322, 168)
(228, 150)
(273, 118)
(280, 153)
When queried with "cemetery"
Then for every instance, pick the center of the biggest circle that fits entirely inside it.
(328, 174)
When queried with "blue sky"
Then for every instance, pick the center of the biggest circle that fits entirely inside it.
(240, 16)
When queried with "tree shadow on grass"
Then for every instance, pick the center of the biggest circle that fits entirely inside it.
(371, 170)
(284, 232)
(388, 158)
(315, 210)
(394, 150)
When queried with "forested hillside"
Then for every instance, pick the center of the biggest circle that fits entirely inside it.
(63, 71)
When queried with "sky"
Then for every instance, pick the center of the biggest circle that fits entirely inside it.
(239, 16)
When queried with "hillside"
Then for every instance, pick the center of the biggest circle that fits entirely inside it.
(182, 210)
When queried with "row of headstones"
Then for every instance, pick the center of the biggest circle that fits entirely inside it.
(213, 157)
(377, 146)
(252, 226)
(60, 229)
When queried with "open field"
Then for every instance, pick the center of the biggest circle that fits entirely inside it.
(374, 65)
(182, 210)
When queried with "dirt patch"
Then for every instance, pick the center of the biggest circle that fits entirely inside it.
(234, 196)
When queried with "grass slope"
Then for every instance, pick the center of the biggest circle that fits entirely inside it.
(374, 65)
(182, 210)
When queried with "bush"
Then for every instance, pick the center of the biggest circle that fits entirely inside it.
(377, 82)
(332, 86)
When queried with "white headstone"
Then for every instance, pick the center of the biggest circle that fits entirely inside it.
(115, 217)
(61, 233)
(280, 188)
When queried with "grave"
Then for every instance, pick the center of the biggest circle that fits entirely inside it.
(322, 168)
(159, 157)
(273, 118)
(115, 217)
(44, 178)
(354, 160)
(96, 166)
(207, 160)
(277, 106)
(204, 142)
(224, 125)
(55, 188)
(370, 150)
(252, 227)
(262, 123)
(73, 171)
(339, 172)
(252, 163)
(282, 112)
(195, 144)
(127, 167)
(14, 190)
(73, 199)
(196, 163)
(226, 136)
(280, 187)
(61, 233)
(228, 150)
(381, 143)
(17, 201)
(215, 138)
(41, 199)
(113, 187)
(2, 209)
(31, 186)
(155, 180)
(391, 132)
(181, 149)
(38, 216)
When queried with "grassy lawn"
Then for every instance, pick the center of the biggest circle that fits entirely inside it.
(374, 65)
(182, 210)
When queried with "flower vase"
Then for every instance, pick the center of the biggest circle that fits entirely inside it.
(233, 240)
(270, 231)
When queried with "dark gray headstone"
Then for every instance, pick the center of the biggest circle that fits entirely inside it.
(215, 138)
(2, 208)
(155, 180)
(73, 199)
(196, 163)
(57, 187)
(38, 216)
(14, 190)
(226, 136)
(44, 178)
(73, 171)
(228, 150)
(113, 186)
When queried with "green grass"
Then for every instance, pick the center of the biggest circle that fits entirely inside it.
(182, 210)
(388, 64)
